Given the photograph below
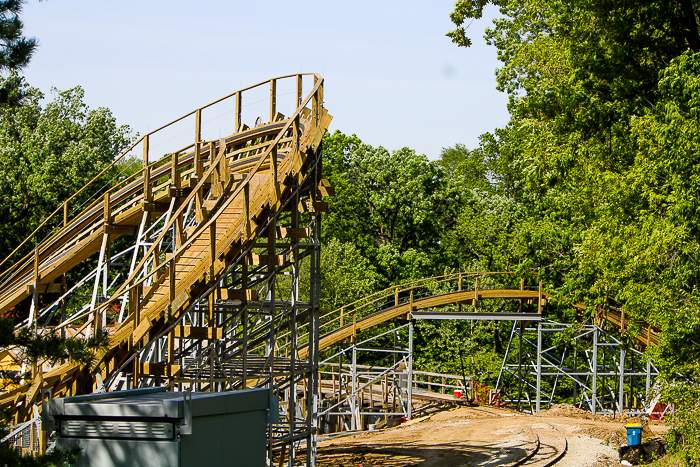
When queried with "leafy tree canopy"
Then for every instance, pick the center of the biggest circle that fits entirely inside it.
(48, 151)
(394, 206)
(603, 149)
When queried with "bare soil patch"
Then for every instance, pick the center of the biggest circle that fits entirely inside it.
(483, 436)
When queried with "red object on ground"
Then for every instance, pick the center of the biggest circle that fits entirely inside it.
(458, 393)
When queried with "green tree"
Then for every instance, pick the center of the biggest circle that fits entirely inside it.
(604, 136)
(346, 275)
(47, 153)
(394, 206)
(15, 49)
(469, 166)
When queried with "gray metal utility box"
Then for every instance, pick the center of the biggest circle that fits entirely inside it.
(155, 428)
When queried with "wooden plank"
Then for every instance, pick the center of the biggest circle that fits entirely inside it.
(313, 206)
(267, 260)
(326, 188)
(155, 208)
(118, 230)
(192, 332)
(237, 294)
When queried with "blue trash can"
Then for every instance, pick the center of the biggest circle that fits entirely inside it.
(634, 434)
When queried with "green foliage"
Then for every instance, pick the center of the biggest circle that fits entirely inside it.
(602, 140)
(346, 275)
(600, 156)
(488, 232)
(47, 153)
(56, 458)
(15, 49)
(49, 347)
(684, 436)
(439, 344)
(395, 207)
(468, 166)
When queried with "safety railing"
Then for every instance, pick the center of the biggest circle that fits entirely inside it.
(170, 171)
(290, 131)
(402, 294)
(263, 148)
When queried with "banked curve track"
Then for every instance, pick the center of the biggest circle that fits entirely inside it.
(464, 289)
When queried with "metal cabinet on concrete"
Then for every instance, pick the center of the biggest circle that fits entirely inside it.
(155, 428)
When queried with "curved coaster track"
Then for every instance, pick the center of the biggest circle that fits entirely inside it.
(594, 367)
(190, 266)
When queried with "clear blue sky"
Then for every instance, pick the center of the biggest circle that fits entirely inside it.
(392, 77)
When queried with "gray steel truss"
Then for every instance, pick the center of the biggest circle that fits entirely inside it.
(357, 395)
(585, 365)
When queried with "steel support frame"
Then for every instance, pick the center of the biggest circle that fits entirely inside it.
(246, 354)
(606, 374)
(241, 348)
(347, 401)
(220, 343)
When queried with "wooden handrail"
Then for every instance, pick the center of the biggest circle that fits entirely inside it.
(183, 205)
(130, 148)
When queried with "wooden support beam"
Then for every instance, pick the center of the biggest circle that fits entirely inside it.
(171, 356)
(181, 192)
(313, 206)
(194, 332)
(54, 287)
(179, 232)
(224, 170)
(212, 249)
(237, 121)
(299, 89)
(315, 105)
(112, 229)
(107, 210)
(273, 99)
(156, 208)
(145, 151)
(326, 188)
(215, 179)
(135, 303)
(275, 187)
(175, 181)
(171, 287)
(246, 209)
(267, 260)
(198, 126)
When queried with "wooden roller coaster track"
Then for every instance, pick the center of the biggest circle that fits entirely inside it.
(409, 300)
(209, 227)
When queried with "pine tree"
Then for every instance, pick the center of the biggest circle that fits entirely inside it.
(15, 49)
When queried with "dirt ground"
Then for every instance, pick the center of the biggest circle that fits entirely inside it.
(486, 436)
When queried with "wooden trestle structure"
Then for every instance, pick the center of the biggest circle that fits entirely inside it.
(213, 239)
